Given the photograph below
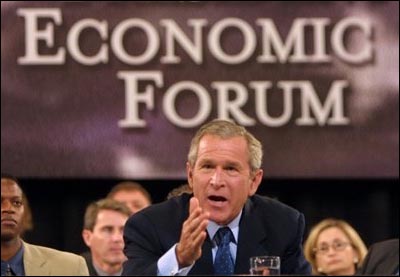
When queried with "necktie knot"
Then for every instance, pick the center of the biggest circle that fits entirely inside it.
(224, 236)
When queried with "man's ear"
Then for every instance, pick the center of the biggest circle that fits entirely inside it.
(87, 237)
(189, 174)
(255, 181)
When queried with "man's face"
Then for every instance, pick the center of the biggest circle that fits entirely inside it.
(133, 199)
(221, 177)
(12, 210)
(106, 240)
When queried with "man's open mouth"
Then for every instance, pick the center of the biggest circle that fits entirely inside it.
(217, 198)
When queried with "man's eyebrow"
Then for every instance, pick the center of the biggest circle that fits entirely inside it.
(106, 227)
(233, 164)
(205, 160)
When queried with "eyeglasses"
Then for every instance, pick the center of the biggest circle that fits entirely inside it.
(336, 245)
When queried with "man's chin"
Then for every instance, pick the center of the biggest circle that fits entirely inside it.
(220, 219)
(116, 260)
(7, 237)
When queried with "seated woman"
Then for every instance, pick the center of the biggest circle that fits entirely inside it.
(334, 248)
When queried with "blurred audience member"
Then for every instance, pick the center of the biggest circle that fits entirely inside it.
(102, 232)
(334, 248)
(132, 194)
(19, 258)
(185, 188)
(382, 259)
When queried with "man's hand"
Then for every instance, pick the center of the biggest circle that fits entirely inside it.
(193, 235)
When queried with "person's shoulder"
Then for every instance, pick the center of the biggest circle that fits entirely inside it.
(175, 209)
(51, 253)
(276, 218)
(382, 258)
(270, 209)
(57, 262)
(174, 205)
(389, 242)
(265, 202)
(392, 244)
(87, 255)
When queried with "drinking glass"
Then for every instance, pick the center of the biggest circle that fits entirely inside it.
(265, 265)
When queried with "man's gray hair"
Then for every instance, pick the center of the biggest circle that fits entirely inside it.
(226, 129)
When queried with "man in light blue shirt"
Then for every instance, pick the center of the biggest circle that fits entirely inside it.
(176, 237)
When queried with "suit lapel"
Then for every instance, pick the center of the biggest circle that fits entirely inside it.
(251, 234)
(34, 263)
(204, 265)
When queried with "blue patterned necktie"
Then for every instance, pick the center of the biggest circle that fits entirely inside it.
(9, 271)
(223, 264)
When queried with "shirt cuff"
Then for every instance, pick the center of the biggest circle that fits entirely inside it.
(168, 265)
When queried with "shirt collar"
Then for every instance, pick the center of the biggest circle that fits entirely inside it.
(101, 272)
(213, 227)
(17, 263)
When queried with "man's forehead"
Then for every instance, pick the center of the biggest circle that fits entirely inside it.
(107, 215)
(10, 186)
(233, 145)
(128, 194)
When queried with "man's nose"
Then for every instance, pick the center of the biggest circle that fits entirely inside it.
(7, 207)
(217, 177)
(117, 236)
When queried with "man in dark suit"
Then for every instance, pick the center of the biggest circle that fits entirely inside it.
(102, 232)
(224, 224)
(382, 259)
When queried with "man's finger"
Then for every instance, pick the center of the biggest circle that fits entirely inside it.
(202, 227)
(199, 240)
(196, 222)
(194, 203)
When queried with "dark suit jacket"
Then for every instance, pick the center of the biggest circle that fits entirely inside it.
(88, 258)
(382, 259)
(267, 227)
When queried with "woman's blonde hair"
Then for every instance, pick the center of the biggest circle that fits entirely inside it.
(311, 242)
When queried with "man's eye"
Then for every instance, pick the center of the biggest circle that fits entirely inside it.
(17, 203)
(232, 169)
(108, 230)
